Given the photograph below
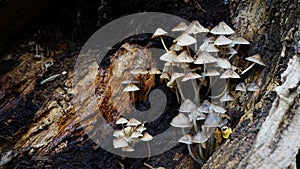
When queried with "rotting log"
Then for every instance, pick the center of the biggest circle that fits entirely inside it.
(267, 135)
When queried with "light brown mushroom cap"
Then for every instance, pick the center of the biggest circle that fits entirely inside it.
(121, 120)
(240, 41)
(252, 87)
(133, 122)
(227, 97)
(183, 57)
(131, 88)
(229, 73)
(146, 137)
(211, 72)
(159, 32)
(222, 29)
(165, 75)
(191, 75)
(119, 143)
(174, 76)
(187, 106)
(222, 40)
(204, 57)
(241, 87)
(199, 137)
(186, 139)
(185, 40)
(168, 56)
(195, 27)
(180, 27)
(181, 121)
(256, 59)
(154, 71)
(128, 149)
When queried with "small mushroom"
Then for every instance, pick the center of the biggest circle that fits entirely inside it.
(174, 78)
(160, 33)
(154, 71)
(168, 56)
(185, 40)
(227, 97)
(187, 106)
(204, 58)
(120, 143)
(242, 87)
(180, 27)
(191, 75)
(118, 133)
(165, 75)
(229, 73)
(181, 121)
(147, 137)
(217, 109)
(133, 122)
(212, 120)
(211, 48)
(222, 29)
(183, 57)
(253, 87)
(194, 28)
(130, 88)
(187, 139)
(238, 41)
(255, 59)
(204, 107)
(121, 120)
(222, 40)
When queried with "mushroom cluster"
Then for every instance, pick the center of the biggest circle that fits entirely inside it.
(132, 132)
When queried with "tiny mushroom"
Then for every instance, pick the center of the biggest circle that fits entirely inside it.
(212, 120)
(180, 27)
(154, 71)
(187, 106)
(255, 59)
(183, 57)
(222, 29)
(133, 122)
(186, 139)
(121, 120)
(199, 137)
(146, 137)
(227, 97)
(253, 87)
(229, 73)
(174, 77)
(181, 121)
(120, 143)
(242, 87)
(168, 56)
(160, 33)
(191, 75)
(185, 40)
(222, 40)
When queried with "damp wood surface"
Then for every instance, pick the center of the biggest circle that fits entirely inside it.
(43, 129)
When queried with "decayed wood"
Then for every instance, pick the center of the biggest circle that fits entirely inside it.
(266, 135)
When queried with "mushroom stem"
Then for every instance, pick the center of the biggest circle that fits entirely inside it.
(246, 70)
(199, 161)
(196, 44)
(180, 91)
(163, 43)
(237, 48)
(196, 90)
(149, 166)
(177, 96)
(243, 98)
(201, 151)
(149, 151)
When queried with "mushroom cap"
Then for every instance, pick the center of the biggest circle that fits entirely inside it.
(127, 130)
(140, 128)
(204, 57)
(174, 76)
(118, 133)
(131, 88)
(187, 106)
(223, 63)
(183, 57)
(176, 47)
(126, 82)
(146, 137)
(212, 120)
(120, 143)
(191, 75)
(168, 56)
(165, 75)
(121, 120)
(159, 32)
(211, 72)
(217, 109)
(199, 137)
(230, 51)
(204, 107)
(229, 73)
(241, 87)
(181, 121)
(186, 139)
(185, 40)
(136, 134)
(222, 29)
(252, 87)
(138, 71)
(210, 39)
(203, 46)
(227, 97)
(180, 27)
(128, 149)
(196, 115)
(133, 122)
(222, 40)
(240, 41)
(195, 27)
(154, 71)
(256, 59)
(212, 48)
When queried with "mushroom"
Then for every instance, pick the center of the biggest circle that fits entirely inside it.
(185, 40)
(37, 55)
(165, 75)
(229, 73)
(204, 107)
(222, 40)
(239, 41)
(154, 71)
(147, 137)
(187, 139)
(183, 57)
(253, 87)
(255, 59)
(168, 56)
(222, 29)
(212, 48)
(194, 28)
(120, 143)
(227, 97)
(204, 58)
(180, 27)
(131, 88)
(242, 87)
(212, 120)
(118, 133)
(200, 138)
(216, 109)
(187, 106)
(174, 78)
(159, 33)
(191, 75)
(133, 122)
(181, 121)
(121, 120)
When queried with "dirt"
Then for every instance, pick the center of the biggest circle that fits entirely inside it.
(62, 30)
